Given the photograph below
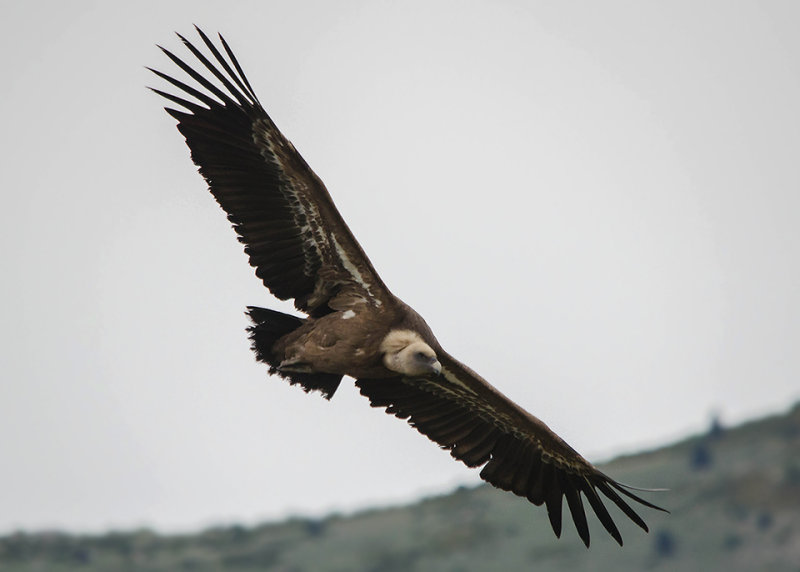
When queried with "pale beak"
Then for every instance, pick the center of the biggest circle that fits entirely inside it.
(436, 367)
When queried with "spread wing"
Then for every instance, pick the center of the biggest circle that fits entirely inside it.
(463, 413)
(295, 238)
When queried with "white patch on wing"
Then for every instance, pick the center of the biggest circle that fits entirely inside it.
(351, 268)
(451, 377)
(348, 314)
(305, 212)
(306, 215)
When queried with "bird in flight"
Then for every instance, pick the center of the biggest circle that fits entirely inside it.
(302, 249)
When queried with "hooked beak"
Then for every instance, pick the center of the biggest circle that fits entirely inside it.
(436, 367)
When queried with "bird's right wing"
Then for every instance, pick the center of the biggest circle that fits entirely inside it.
(463, 413)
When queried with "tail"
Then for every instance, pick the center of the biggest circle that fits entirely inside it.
(268, 327)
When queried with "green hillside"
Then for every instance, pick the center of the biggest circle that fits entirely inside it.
(734, 496)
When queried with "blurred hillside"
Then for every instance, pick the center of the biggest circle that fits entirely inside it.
(734, 496)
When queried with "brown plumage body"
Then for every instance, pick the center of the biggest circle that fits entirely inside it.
(302, 249)
(348, 342)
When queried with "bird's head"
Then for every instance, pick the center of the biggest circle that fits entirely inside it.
(406, 352)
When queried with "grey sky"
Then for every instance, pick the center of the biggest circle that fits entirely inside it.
(594, 205)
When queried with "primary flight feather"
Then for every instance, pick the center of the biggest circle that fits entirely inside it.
(302, 249)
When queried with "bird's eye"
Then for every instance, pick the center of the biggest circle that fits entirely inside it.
(421, 356)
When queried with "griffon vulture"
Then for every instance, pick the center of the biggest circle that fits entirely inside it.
(302, 249)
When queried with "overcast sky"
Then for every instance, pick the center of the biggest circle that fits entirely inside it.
(594, 205)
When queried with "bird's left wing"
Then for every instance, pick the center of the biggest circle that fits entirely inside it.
(294, 236)
(463, 413)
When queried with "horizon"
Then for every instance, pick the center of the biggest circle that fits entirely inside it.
(357, 510)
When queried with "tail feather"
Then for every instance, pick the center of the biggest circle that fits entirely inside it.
(268, 327)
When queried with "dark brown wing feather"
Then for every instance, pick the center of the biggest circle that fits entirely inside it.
(480, 426)
(295, 238)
